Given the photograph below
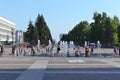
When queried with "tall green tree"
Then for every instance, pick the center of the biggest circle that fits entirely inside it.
(64, 37)
(118, 34)
(30, 34)
(79, 33)
(25, 36)
(103, 25)
(96, 28)
(104, 29)
(115, 24)
(108, 38)
(36, 35)
(43, 30)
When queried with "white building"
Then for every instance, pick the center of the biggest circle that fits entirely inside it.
(19, 36)
(7, 30)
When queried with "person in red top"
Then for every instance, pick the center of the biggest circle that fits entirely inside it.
(86, 51)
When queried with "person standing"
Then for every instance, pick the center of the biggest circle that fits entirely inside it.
(86, 51)
(115, 50)
(14, 50)
(119, 50)
(77, 52)
(33, 50)
(52, 51)
(2, 50)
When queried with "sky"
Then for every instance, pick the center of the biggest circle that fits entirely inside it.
(61, 16)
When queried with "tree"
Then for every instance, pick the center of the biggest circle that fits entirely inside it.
(64, 37)
(43, 30)
(30, 35)
(119, 33)
(36, 35)
(96, 28)
(25, 36)
(108, 32)
(104, 29)
(115, 24)
(103, 24)
(79, 33)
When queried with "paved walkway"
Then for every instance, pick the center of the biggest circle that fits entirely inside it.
(56, 68)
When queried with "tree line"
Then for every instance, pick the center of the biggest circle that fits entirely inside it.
(103, 28)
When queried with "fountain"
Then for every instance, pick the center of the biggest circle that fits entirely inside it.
(85, 44)
(66, 47)
(98, 47)
(72, 47)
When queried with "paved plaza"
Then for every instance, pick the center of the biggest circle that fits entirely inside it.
(58, 68)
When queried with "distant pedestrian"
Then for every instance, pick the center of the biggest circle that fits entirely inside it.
(92, 50)
(77, 52)
(119, 50)
(68, 54)
(115, 50)
(52, 51)
(86, 51)
(33, 50)
(58, 50)
(21, 48)
(2, 50)
(25, 50)
(14, 50)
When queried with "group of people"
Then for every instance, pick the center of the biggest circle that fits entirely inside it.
(53, 50)
(87, 50)
(32, 50)
(23, 50)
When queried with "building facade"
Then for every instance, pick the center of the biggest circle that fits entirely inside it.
(7, 30)
(19, 36)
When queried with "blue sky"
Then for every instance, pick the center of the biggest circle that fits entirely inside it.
(60, 15)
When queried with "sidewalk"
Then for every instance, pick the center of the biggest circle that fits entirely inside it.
(59, 68)
(77, 69)
(34, 72)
